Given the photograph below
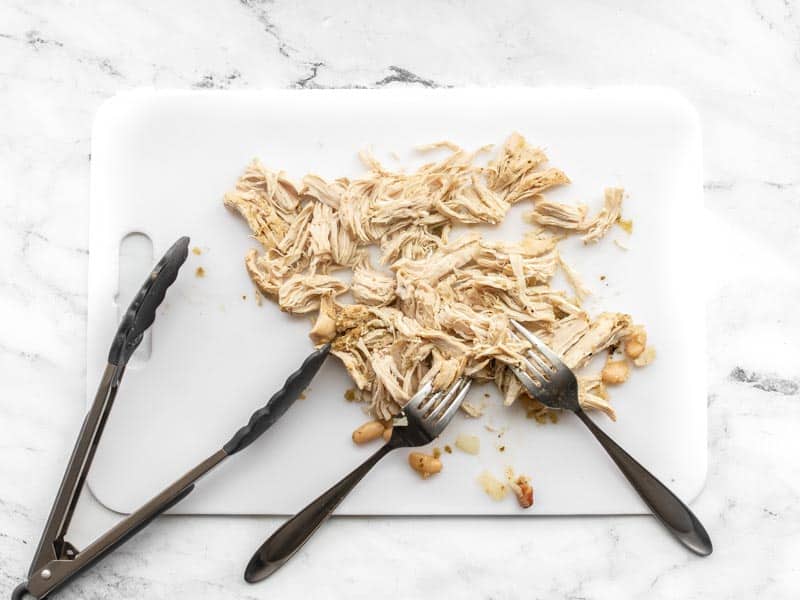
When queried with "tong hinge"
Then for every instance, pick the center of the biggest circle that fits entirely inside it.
(65, 550)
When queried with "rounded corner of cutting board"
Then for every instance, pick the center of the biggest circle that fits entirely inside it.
(113, 109)
(680, 103)
(697, 481)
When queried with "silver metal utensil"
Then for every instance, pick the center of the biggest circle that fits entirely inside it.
(56, 561)
(424, 418)
(553, 383)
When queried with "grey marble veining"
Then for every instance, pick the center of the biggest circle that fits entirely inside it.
(738, 62)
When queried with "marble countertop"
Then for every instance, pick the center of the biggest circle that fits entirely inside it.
(738, 62)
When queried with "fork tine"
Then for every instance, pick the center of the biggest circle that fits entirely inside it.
(538, 365)
(534, 387)
(540, 346)
(443, 401)
(430, 402)
(544, 367)
(417, 400)
(442, 414)
(456, 404)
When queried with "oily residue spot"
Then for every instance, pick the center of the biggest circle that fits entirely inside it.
(625, 224)
(197, 251)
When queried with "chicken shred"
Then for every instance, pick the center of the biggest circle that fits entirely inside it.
(606, 217)
(573, 217)
(581, 291)
(437, 306)
(559, 215)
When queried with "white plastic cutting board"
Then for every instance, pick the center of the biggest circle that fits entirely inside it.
(161, 163)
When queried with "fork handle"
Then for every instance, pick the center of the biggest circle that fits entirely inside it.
(291, 536)
(666, 506)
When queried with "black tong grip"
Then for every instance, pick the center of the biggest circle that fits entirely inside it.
(142, 311)
(265, 417)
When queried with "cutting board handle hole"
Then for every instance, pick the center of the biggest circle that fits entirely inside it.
(135, 263)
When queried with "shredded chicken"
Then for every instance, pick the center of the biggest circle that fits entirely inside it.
(581, 291)
(573, 217)
(607, 216)
(556, 214)
(436, 306)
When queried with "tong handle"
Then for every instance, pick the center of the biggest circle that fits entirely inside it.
(265, 417)
(142, 311)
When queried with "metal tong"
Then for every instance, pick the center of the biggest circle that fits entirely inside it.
(56, 561)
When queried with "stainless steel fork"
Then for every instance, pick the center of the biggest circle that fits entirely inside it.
(423, 419)
(554, 384)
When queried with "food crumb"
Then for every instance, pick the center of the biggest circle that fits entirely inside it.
(620, 245)
(199, 272)
(197, 251)
(471, 444)
(302, 396)
(521, 486)
(539, 416)
(553, 416)
(646, 357)
(486, 395)
(493, 429)
(635, 342)
(448, 449)
(615, 371)
(244, 296)
(502, 448)
(258, 298)
(602, 277)
(350, 395)
(472, 410)
(437, 452)
(494, 488)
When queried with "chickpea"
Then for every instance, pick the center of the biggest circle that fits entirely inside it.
(371, 430)
(424, 464)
